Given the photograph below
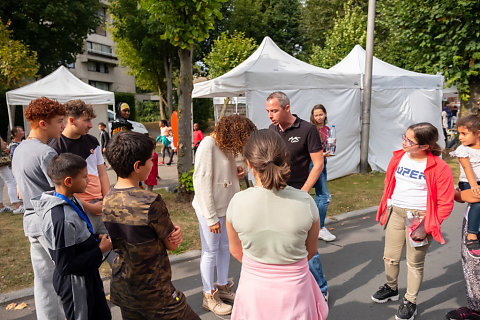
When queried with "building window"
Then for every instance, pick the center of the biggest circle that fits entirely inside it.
(97, 67)
(100, 30)
(103, 49)
(99, 84)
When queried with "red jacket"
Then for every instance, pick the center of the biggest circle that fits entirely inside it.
(440, 192)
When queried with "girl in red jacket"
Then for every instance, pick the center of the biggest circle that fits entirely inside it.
(418, 196)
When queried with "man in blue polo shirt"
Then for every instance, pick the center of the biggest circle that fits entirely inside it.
(304, 144)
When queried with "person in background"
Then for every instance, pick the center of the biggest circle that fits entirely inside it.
(165, 131)
(7, 178)
(32, 157)
(153, 177)
(104, 137)
(318, 118)
(17, 136)
(272, 230)
(215, 180)
(418, 197)
(197, 137)
(121, 122)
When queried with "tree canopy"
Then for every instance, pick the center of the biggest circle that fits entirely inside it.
(54, 29)
(137, 35)
(227, 52)
(17, 61)
(348, 30)
(439, 36)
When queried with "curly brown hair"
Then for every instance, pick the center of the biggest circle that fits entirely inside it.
(78, 108)
(232, 132)
(43, 109)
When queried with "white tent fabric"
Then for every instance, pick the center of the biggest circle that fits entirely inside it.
(270, 69)
(61, 85)
(400, 98)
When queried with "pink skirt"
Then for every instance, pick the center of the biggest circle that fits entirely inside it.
(274, 291)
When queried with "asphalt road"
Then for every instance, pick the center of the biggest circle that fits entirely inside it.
(353, 266)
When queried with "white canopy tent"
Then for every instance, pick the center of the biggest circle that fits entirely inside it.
(400, 98)
(270, 69)
(62, 86)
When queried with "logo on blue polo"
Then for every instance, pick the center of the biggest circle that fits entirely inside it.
(407, 172)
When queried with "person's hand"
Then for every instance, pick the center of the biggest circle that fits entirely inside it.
(458, 195)
(104, 150)
(215, 228)
(327, 154)
(240, 172)
(419, 233)
(176, 236)
(476, 190)
(105, 244)
(97, 208)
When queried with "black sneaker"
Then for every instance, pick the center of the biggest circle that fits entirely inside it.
(463, 313)
(473, 248)
(385, 294)
(406, 310)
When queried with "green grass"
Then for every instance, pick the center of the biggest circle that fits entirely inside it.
(16, 268)
(353, 192)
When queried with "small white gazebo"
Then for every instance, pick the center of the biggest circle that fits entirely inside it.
(62, 86)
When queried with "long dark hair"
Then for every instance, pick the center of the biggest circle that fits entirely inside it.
(318, 107)
(426, 134)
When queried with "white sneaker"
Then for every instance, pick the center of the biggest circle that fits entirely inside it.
(325, 235)
(19, 210)
(6, 209)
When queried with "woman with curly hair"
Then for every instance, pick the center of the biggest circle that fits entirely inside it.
(215, 181)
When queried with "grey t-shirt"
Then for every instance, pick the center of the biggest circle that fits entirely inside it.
(30, 171)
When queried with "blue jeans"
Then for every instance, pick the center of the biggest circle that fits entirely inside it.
(322, 199)
(322, 196)
(473, 222)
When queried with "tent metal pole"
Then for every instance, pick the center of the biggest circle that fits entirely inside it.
(367, 91)
(10, 122)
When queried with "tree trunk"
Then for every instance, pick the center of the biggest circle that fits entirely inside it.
(472, 106)
(167, 63)
(162, 112)
(224, 108)
(185, 89)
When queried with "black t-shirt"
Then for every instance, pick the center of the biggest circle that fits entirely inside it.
(83, 146)
(302, 138)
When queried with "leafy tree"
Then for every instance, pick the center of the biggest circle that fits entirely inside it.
(228, 51)
(278, 19)
(17, 61)
(186, 23)
(349, 30)
(317, 19)
(440, 36)
(56, 30)
(139, 47)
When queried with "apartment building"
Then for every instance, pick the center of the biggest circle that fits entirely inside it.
(98, 64)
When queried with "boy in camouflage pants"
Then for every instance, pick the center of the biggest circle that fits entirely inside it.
(141, 231)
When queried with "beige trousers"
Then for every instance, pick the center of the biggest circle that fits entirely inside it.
(396, 235)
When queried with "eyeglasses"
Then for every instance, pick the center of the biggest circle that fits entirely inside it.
(409, 142)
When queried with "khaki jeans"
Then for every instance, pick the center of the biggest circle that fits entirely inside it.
(396, 235)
